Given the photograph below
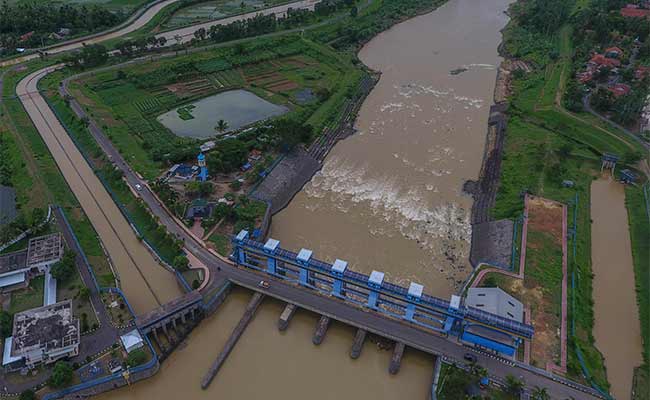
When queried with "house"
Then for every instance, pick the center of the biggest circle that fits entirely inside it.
(182, 171)
(495, 301)
(132, 340)
(246, 167)
(207, 146)
(619, 89)
(200, 208)
(26, 37)
(585, 77)
(17, 268)
(641, 72)
(254, 155)
(44, 335)
(600, 60)
(613, 52)
(63, 32)
(633, 11)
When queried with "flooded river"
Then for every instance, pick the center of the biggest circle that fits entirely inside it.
(390, 197)
(617, 330)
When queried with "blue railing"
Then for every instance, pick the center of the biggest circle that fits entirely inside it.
(426, 302)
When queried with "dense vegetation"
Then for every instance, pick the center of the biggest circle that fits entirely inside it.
(596, 28)
(32, 24)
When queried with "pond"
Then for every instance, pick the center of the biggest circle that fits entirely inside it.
(237, 107)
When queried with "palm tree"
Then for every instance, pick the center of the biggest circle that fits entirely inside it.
(513, 385)
(221, 126)
(540, 393)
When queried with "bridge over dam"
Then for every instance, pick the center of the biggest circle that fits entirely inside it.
(407, 316)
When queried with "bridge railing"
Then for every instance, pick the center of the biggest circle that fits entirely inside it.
(391, 294)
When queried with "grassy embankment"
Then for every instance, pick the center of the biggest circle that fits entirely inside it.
(545, 145)
(639, 233)
(38, 181)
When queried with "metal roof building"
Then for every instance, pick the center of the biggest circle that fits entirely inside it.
(495, 301)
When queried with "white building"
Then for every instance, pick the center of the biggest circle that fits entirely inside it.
(495, 301)
(132, 340)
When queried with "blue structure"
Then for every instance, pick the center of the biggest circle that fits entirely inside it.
(608, 161)
(628, 177)
(203, 175)
(411, 305)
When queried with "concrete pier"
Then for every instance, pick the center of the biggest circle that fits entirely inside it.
(357, 345)
(286, 316)
(436, 379)
(321, 329)
(252, 306)
(396, 359)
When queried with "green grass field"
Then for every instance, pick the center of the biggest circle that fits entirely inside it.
(639, 220)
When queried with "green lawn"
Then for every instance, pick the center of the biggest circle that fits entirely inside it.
(28, 298)
(639, 234)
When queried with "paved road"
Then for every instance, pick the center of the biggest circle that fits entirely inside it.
(135, 22)
(586, 104)
(186, 34)
(146, 283)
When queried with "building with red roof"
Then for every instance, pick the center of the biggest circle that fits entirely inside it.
(613, 52)
(641, 72)
(633, 11)
(619, 89)
(600, 60)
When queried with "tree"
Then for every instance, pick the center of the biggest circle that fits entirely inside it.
(27, 395)
(84, 293)
(354, 11)
(5, 323)
(181, 263)
(221, 126)
(540, 393)
(62, 375)
(136, 357)
(205, 188)
(63, 269)
(514, 385)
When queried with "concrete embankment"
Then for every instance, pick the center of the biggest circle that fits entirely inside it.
(254, 303)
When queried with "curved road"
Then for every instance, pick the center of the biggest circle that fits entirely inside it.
(140, 19)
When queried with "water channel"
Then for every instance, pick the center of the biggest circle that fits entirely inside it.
(616, 329)
(388, 198)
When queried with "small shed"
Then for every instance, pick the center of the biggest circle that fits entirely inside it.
(132, 340)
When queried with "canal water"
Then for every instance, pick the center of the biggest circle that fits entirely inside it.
(617, 329)
(390, 197)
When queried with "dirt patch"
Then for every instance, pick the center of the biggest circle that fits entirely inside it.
(545, 216)
(283, 86)
(543, 278)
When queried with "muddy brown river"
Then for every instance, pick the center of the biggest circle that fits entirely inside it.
(390, 197)
(617, 330)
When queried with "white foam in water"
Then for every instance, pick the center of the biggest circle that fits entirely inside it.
(408, 209)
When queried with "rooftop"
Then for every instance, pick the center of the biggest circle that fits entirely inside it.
(13, 261)
(632, 11)
(47, 328)
(495, 301)
(600, 59)
(8, 210)
(620, 89)
(45, 249)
